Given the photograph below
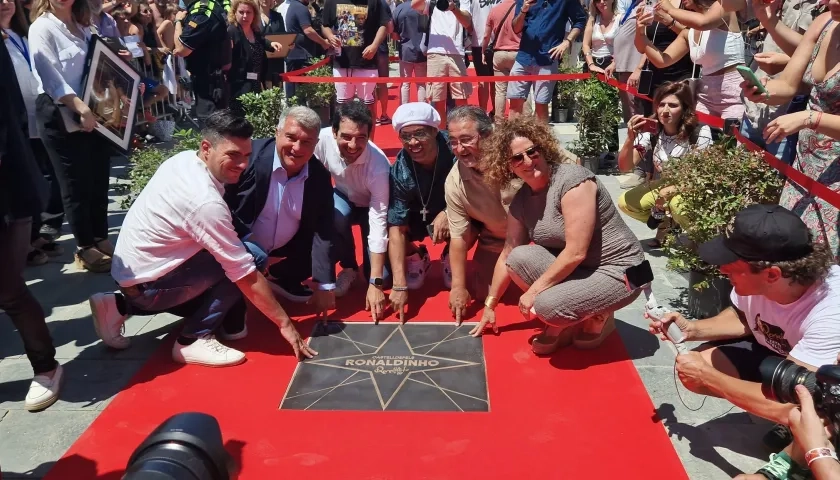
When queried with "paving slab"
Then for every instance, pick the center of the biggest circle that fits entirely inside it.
(30, 443)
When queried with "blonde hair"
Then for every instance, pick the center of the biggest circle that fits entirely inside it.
(235, 6)
(81, 11)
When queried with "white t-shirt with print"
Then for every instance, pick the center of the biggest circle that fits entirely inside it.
(807, 329)
(673, 147)
(447, 33)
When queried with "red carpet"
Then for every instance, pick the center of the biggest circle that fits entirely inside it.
(575, 415)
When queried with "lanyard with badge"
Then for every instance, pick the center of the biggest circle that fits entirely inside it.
(20, 47)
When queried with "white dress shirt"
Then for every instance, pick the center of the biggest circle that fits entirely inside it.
(364, 182)
(18, 48)
(180, 213)
(58, 56)
(279, 219)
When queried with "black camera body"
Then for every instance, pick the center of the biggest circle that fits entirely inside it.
(779, 378)
(442, 5)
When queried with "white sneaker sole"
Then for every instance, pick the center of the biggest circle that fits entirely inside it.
(184, 361)
(92, 302)
(42, 405)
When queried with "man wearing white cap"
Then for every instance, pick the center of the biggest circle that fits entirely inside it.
(417, 206)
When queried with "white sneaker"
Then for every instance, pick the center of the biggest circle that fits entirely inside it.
(43, 391)
(207, 351)
(447, 271)
(345, 280)
(108, 321)
(416, 268)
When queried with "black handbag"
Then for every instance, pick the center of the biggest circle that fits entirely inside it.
(489, 51)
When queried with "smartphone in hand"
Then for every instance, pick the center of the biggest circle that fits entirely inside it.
(751, 77)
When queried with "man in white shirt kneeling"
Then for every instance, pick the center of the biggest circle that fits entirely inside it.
(178, 252)
(360, 171)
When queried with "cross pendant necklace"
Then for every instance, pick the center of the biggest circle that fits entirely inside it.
(424, 211)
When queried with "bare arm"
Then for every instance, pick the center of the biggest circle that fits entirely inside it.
(628, 156)
(464, 17)
(166, 33)
(727, 325)
(733, 5)
(786, 38)
(579, 207)
(257, 290)
(380, 36)
(180, 50)
(519, 19)
(747, 395)
(313, 35)
(675, 51)
(586, 48)
(783, 88)
(397, 238)
(711, 18)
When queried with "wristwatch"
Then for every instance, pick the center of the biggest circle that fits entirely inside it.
(377, 282)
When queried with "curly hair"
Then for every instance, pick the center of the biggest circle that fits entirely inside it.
(804, 271)
(681, 90)
(495, 160)
(235, 6)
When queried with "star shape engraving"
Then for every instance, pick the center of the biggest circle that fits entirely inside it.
(392, 364)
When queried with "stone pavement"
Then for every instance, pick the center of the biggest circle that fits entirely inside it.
(714, 442)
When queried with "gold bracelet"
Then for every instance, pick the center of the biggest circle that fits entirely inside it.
(491, 302)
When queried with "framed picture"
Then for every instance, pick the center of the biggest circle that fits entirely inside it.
(285, 39)
(111, 91)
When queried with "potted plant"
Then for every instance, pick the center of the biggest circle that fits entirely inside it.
(317, 96)
(598, 115)
(715, 184)
(564, 96)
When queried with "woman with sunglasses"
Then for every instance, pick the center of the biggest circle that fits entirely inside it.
(670, 134)
(573, 273)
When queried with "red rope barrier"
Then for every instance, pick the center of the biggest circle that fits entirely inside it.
(813, 187)
(293, 74)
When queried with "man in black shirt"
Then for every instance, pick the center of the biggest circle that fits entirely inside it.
(201, 36)
(356, 28)
(299, 21)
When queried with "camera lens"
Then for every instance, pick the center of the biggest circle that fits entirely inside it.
(779, 378)
(187, 446)
(442, 5)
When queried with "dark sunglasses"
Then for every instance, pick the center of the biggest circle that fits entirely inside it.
(516, 160)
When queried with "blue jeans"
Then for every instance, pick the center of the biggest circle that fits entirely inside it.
(784, 150)
(294, 65)
(197, 290)
(346, 215)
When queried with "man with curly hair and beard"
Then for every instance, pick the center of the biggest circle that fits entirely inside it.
(785, 303)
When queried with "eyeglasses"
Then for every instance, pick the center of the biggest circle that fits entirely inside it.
(531, 153)
(419, 135)
(465, 141)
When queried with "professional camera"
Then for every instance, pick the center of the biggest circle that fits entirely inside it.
(187, 446)
(442, 5)
(779, 378)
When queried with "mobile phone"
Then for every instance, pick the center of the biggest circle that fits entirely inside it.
(638, 276)
(645, 82)
(750, 76)
(650, 125)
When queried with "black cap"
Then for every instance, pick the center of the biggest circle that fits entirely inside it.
(769, 233)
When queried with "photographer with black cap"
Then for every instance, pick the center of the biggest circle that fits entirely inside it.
(201, 36)
(785, 303)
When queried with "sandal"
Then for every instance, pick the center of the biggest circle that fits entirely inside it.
(552, 339)
(93, 260)
(383, 120)
(594, 330)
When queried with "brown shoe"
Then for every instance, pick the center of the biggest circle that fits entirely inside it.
(105, 246)
(594, 330)
(93, 260)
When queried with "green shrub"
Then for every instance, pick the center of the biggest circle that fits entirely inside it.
(315, 95)
(715, 184)
(263, 110)
(598, 113)
(145, 162)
